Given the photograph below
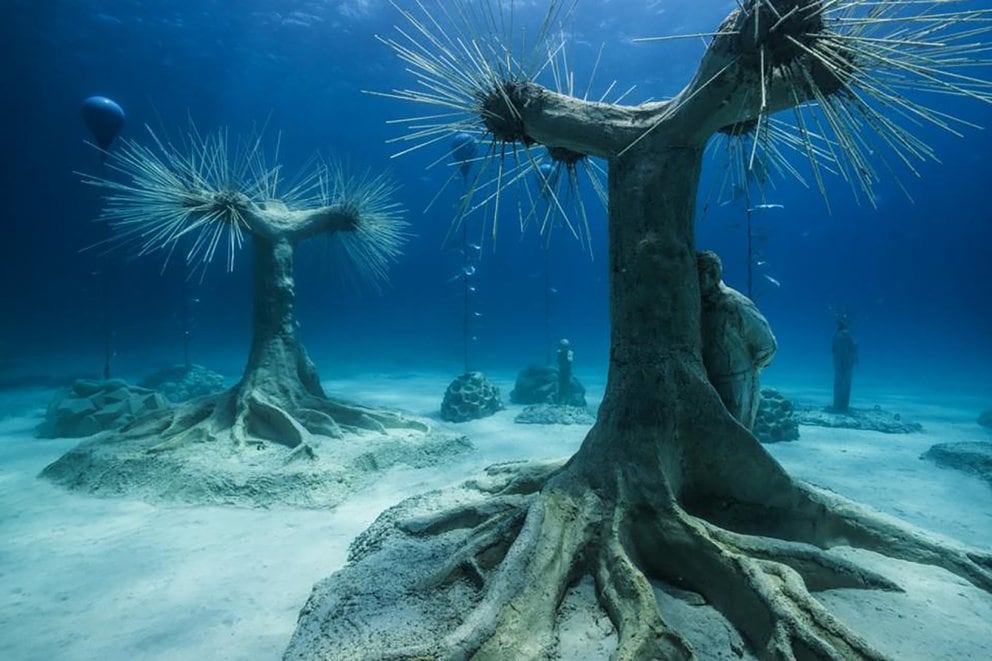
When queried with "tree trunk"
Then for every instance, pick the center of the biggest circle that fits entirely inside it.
(654, 312)
(660, 414)
(278, 366)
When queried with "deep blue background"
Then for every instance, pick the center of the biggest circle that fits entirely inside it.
(913, 275)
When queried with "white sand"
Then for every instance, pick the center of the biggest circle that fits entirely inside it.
(87, 578)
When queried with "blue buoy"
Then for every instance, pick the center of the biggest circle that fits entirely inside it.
(463, 148)
(104, 118)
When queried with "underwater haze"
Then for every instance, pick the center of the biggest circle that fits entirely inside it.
(86, 576)
(912, 275)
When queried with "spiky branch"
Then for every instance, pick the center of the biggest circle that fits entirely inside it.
(208, 196)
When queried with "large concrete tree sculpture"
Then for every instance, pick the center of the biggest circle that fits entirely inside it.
(667, 484)
(208, 196)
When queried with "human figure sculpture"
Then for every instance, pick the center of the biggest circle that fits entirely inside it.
(845, 351)
(565, 358)
(737, 340)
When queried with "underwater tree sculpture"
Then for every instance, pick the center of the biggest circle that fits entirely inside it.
(172, 196)
(207, 198)
(667, 484)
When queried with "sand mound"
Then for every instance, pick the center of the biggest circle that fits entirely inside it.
(219, 472)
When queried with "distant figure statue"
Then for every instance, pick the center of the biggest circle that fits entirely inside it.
(845, 351)
(565, 357)
(737, 340)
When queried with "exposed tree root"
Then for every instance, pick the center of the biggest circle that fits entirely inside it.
(752, 495)
(254, 447)
(527, 546)
(251, 418)
(629, 600)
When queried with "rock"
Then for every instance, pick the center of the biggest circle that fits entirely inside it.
(469, 397)
(974, 458)
(875, 419)
(118, 394)
(89, 407)
(985, 419)
(180, 383)
(88, 388)
(776, 420)
(554, 414)
(73, 408)
(539, 385)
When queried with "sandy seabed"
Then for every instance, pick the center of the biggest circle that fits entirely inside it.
(113, 579)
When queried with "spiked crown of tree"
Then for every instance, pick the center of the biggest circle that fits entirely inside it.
(207, 196)
(844, 69)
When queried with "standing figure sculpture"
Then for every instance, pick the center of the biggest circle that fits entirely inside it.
(845, 351)
(565, 358)
(737, 340)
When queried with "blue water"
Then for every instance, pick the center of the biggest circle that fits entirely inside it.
(912, 275)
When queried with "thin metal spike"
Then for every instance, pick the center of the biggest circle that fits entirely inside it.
(694, 35)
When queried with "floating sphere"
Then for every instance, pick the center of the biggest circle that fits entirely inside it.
(104, 118)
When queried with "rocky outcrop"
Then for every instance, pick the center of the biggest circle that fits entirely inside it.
(539, 385)
(974, 458)
(180, 383)
(875, 419)
(90, 407)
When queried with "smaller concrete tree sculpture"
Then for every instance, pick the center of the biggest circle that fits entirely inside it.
(204, 199)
